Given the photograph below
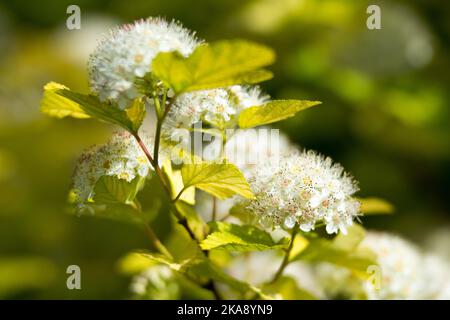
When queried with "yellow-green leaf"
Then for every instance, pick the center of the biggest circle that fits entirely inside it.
(235, 237)
(343, 251)
(109, 189)
(202, 267)
(136, 113)
(57, 105)
(370, 206)
(288, 289)
(222, 180)
(219, 64)
(195, 223)
(176, 184)
(273, 111)
(60, 101)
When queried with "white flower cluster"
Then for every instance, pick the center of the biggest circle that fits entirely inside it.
(126, 53)
(404, 273)
(156, 283)
(252, 147)
(400, 268)
(120, 157)
(246, 149)
(303, 188)
(217, 107)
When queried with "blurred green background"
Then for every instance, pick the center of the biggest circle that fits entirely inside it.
(385, 117)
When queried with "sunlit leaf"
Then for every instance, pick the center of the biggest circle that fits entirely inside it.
(56, 105)
(110, 189)
(136, 114)
(115, 199)
(272, 111)
(59, 101)
(287, 288)
(200, 266)
(222, 180)
(235, 237)
(133, 263)
(194, 221)
(176, 184)
(340, 251)
(372, 206)
(219, 64)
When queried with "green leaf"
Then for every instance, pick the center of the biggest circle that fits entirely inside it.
(115, 199)
(272, 111)
(109, 189)
(136, 114)
(195, 223)
(126, 213)
(133, 263)
(176, 184)
(351, 240)
(341, 251)
(192, 291)
(371, 206)
(57, 105)
(219, 64)
(287, 288)
(59, 101)
(200, 266)
(222, 180)
(235, 237)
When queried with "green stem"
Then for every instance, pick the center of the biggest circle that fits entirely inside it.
(157, 141)
(152, 161)
(151, 235)
(181, 219)
(222, 158)
(156, 242)
(178, 195)
(214, 209)
(285, 261)
(166, 110)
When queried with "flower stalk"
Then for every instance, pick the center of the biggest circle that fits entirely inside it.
(287, 256)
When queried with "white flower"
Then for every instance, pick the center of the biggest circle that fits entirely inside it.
(246, 149)
(120, 157)
(305, 187)
(156, 283)
(404, 273)
(126, 53)
(400, 267)
(249, 148)
(217, 107)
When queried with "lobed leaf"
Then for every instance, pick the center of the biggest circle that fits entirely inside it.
(235, 237)
(115, 199)
(222, 180)
(219, 64)
(288, 288)
(110, 189)
(195, 223)
(176, 184)
(342, 251)
(200, 266)
(57, 105)
(272, 111)
(59, 101)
